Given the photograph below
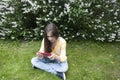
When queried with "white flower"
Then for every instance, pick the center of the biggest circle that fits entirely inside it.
(56, 1)
(95, 28)
(73, 36)
(64, 35)
(66, 28)
(113, 1)
(101, 39)
(118, 21)
(106, 6)
(116, 13)
(44, 10)
(37, 22)
(71, 0)
(14, 24)
(31, 35)
(113, 35)
(49, 1)
(61, 14)
(102, 14)
(103, 28)
(67, 7)
(2, 34)
(98, 6)
(117, 26)
(55, 19)
(110, 22)
(12, 37)
(77, 34)
(86, 10)
(83, 35)
(23, 0)
(107, 35)
(32, 4)
(68, 32)
(29, 32)
(47, 15)
(42, 31)
(44, 2)
(50, 13)
(111, 10)
(82, 4)
(46, 19)
(97, 20)
(66, 38)
(93, 34)
(38, 18)
(91, 13)
(114, 22)
(110, 40)
(115, 17)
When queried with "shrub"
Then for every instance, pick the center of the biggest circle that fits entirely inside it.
(87, 19)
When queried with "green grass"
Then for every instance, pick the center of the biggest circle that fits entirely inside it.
(87, 61)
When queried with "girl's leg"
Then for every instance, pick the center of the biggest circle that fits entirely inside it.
(43, 64)
(59, 66)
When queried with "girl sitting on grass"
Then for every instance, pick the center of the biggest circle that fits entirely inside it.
(54, 45)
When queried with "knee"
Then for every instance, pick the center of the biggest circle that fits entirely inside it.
(65, 68)
(33, 60)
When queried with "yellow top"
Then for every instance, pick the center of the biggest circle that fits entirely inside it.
(60, 48)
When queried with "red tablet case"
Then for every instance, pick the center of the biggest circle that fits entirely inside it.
(45, 53)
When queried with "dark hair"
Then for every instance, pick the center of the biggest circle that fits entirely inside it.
(51, 27)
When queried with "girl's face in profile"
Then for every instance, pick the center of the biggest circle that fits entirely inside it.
(50, 37)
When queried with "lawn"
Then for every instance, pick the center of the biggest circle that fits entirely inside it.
(87, 60)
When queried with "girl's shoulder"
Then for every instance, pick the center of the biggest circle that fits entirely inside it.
(61, 40)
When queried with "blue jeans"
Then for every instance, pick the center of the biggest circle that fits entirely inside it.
(52, 66)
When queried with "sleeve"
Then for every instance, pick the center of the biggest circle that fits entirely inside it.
(42, 46)
(63, 56)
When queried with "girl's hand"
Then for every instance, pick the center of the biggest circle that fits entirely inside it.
(52, 57)
(39, 55)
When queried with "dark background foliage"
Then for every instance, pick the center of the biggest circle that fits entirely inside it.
(79, 19)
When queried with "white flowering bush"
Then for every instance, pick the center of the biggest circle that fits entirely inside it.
(45, 12)
(11, 23)
(3, 18)
(29, 17)
(76, 19)
(98, 20)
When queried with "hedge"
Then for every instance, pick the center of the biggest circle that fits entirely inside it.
(88, 19)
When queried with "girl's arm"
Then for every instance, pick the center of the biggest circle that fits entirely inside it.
(41, 50)
(42, 46)
(62, 57)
